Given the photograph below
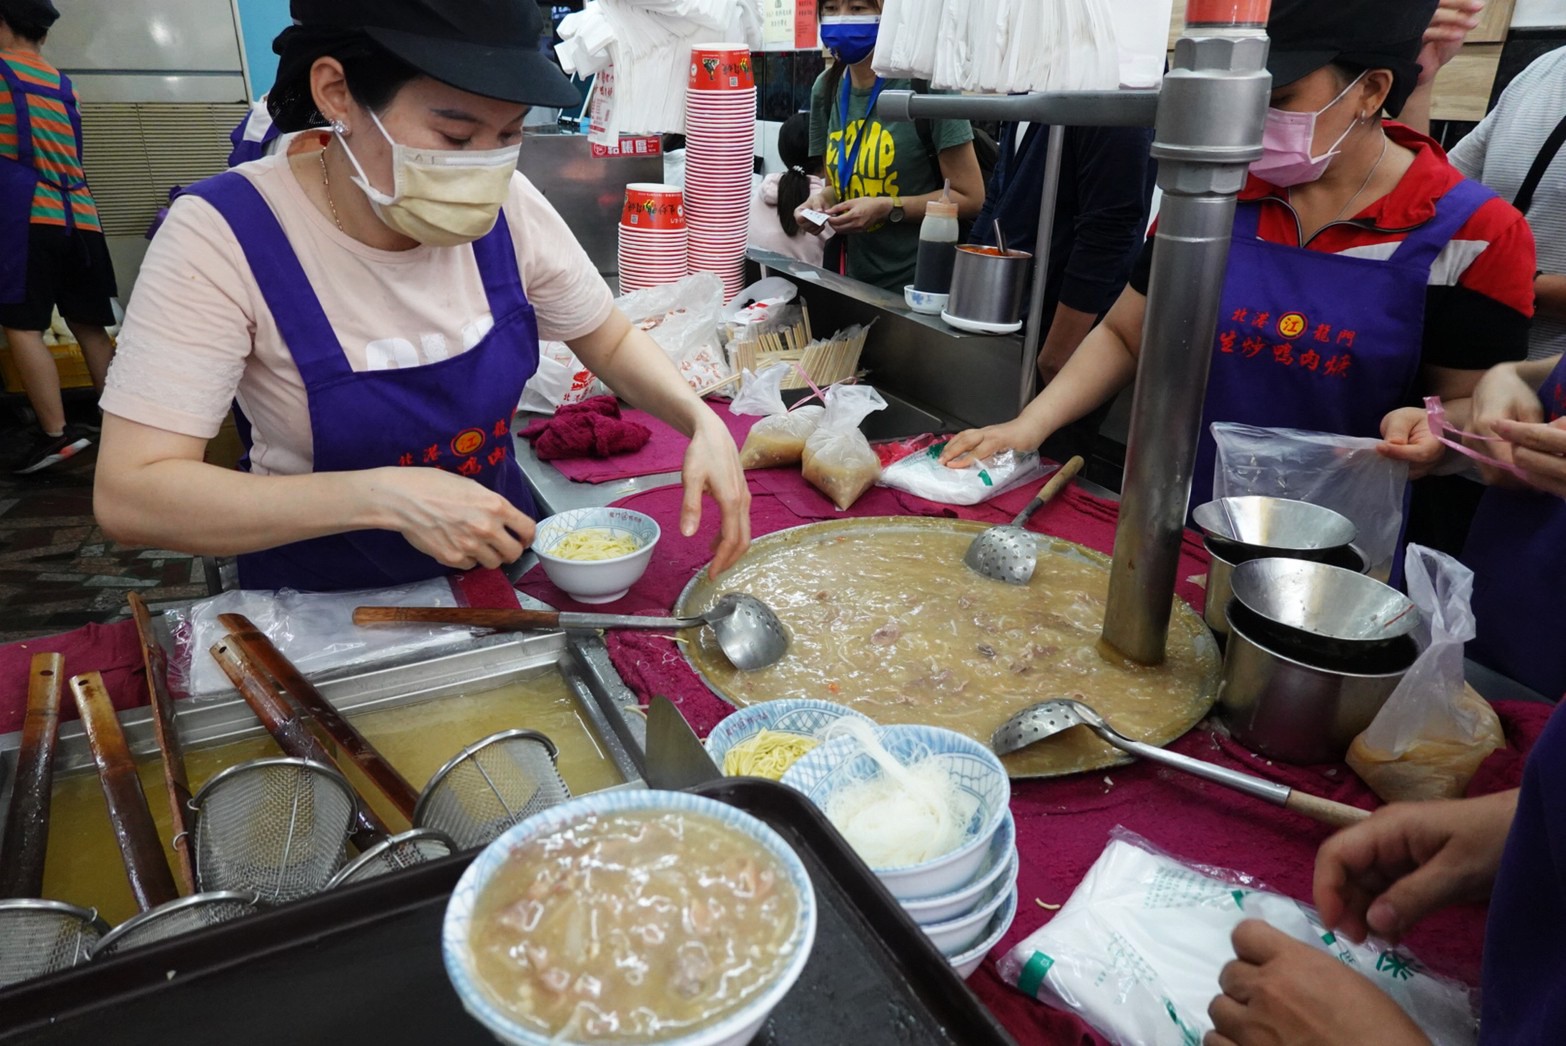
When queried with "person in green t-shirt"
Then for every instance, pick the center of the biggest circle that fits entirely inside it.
(888, 168)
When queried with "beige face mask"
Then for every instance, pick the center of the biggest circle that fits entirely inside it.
(440, 197)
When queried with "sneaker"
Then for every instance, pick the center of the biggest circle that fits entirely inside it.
(51, 450)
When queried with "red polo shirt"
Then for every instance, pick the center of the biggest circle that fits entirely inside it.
(1480, 297)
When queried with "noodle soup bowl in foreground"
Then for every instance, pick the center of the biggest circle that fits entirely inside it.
(470, 913)
(596, 580)
(804, 716)
(981, 793)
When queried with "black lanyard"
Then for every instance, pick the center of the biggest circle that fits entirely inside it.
(1541, 163)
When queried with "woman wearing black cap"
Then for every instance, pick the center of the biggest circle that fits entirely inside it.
(1365, 271)
(372, 302)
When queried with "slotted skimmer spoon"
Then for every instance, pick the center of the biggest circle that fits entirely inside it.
(1052, 717)
(748, 632)
(1010, 553)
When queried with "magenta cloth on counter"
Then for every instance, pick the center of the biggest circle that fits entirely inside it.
(1062, 824)
(663, 452)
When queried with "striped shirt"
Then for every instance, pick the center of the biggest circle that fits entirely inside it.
(54, 144)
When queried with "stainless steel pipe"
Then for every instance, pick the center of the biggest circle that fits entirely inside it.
(1033, 339)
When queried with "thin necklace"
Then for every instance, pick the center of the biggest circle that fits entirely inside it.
(326, 180)
(1362, 187)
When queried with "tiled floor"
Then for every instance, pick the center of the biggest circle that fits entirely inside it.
(57, 570)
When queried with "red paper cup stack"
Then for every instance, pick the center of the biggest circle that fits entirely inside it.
(720, 146)
(653, 236)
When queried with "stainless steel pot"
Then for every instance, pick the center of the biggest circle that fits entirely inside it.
(1298, 712)
(987, 285)
(1220, 574)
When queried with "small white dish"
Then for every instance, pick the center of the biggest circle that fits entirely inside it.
(979, 326)
(1002, 863)
(596, 580)
(970, 960)
(956, 936)
(927, 303)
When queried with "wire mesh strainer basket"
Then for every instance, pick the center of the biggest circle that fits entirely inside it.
(276, 828)
(490, 786)
(394, 854)
(42, 937)
(195, 912)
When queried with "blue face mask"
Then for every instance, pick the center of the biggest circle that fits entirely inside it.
(850, 37)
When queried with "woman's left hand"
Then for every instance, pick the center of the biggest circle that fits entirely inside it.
(860, 213)
(712, 467)
(1406, 436)
(1540, 450)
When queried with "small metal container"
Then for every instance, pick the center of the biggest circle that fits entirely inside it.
(1297, 712)
(1220, 572)
(988, 284)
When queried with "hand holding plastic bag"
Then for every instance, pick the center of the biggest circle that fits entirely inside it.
(1344, 473)
(779, 438)
(1434, 731)
(923, 475)
(838, 460)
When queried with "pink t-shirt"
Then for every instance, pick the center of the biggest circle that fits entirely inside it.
(197, 333)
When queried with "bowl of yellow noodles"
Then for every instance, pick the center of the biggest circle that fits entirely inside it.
(765, 739)
(595, 555)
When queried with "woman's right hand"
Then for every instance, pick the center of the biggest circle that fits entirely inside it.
(974, 445)
(458, 522)
(816, 202)
(1501, 395)
(1408, 860)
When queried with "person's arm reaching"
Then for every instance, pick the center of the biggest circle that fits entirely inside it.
(1105, 364)
(1449, 27)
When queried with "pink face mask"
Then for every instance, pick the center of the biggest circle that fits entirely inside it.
(1286, 144)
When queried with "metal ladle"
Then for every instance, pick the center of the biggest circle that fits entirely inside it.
(1052, 717)
(1009, 553)
(748, 632)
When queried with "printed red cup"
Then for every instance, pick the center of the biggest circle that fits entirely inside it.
(651, 205)
(721, 67)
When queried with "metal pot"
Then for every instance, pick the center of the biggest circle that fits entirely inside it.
(1317, 611)
(1220, 572)
(988, 284)
(1297, 712)
(1255, 525)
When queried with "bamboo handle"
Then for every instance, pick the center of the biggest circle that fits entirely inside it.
(1062, 476)
(27, 824)
(176, 783)
(1339, 815)
(473, 617)
(288, 730)
(254, 644)
(140, 848)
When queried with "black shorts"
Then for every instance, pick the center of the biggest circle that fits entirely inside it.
(68, 270)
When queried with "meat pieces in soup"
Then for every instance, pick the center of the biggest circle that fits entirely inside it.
(633, 927)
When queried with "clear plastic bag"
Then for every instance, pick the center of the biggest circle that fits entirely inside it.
(683, 318)
(561, 380)
(923, 475)
(838, 460)
(779, 438)
(1435, 730)
(1137, 949)
(1343, 473)
(314, 630)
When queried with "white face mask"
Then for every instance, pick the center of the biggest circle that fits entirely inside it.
(440, 197)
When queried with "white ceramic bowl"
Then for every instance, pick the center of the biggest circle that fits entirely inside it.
(596, 580)
(1000, 922)
(734, 1030)
(926, 302)
(1000, 863)
(790, 715)
(956, 936)
(979, 776)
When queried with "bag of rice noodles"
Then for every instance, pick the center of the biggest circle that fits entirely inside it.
(779, 437)
(838, 460)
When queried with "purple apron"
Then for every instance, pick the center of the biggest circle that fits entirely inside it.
(246, 146)
(454, 414)
(1326, 342)
(1517, 550)
(19, 181)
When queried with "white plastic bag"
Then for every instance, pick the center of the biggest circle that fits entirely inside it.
(1137, 949)
(838, 460)
(683, 318)
(561, 380)
(779, 438)
(924, 475)
(1434, 731)
(1343, 473)
(314, 630)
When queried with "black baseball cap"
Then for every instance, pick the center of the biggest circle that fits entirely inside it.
(33, 12)
(488, 47)
(1366, 34)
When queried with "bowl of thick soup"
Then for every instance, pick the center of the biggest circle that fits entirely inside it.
(595, 555)
(630, 917)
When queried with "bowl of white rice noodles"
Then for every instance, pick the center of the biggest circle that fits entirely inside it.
(919, 804)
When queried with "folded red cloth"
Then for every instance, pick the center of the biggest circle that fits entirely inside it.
(582, 433)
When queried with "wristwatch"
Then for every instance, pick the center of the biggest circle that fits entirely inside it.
(896, 214)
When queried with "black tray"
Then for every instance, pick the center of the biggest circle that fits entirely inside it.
(362, 965)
